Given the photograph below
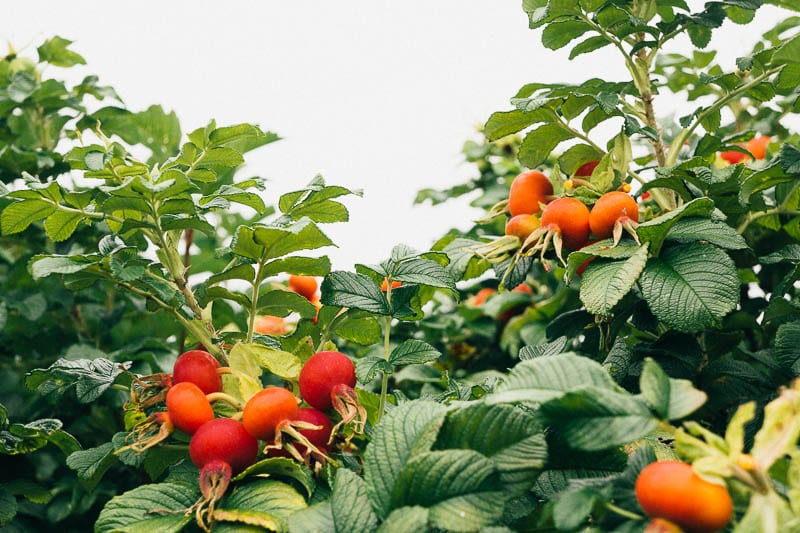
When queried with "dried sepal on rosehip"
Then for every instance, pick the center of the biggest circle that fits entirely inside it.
(220, 448)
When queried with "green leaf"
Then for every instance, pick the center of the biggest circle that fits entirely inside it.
(544, 378)
(572, 508)
(61, 225)
(8, 507)
(589, 45)
(17, 216)
(265, 503)
(283, 364)
(788, 52)
(413, 352)
(424, 272)
(655, 231)
(369, 367)
(315, 202)
(575, 156)
(280, 303)
(55, 52)
(693, 229)
(90, 377)
(19, 439)
(603, 249)
(351, 507)
(133, 511)
(670, 398)
(605, 283)
(505, 123)
(304, 266)
(300, 235)
(690, 287)
(92, 464)
(41, 266)
(219, 157)
(364, 330)
(787, 346)
(560, 34)
(654, 384)
(597, 419)
(399, 435)
(539, 143)
(459, 487)
(281, 467)
(317, 518)
(349, 289)
(506, 434)
(406, 520)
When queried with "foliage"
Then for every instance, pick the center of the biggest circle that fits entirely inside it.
(478, 408)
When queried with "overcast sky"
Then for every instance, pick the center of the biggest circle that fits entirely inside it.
(372, 94)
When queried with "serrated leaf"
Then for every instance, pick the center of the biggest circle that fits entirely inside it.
(572, 508)
(41, 266)
(788, 52)
(413, 352)
(423, 272)
(90, 377)
(351, 507)
(280, 467)
(787, 346)
(304, 266)
(357, 291)
(92, 464)
(655, 231)
(406, 520)
(360, 330)
(560, 34)
(17, 216)
(605, 283)
(539, 143)
(369, 367)
(690, 287)
(654, 384)
(393, 443)
(317, 518)
(459, 487)
(281, 303)
(55, 51)
(8, 507)
(61, 225)
(505, 123)
(265, 503)
(546, 349)
(280, 241)
(542, 379)
(589, 45)
(692, 229)
(603, 249)
(506, 434)
(133, 511)
(283, 364)
(597, 419)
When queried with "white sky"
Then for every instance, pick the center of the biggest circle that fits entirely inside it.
(372, 94)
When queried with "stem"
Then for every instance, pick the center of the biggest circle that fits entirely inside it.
(751, 217)
(674, 150)
(82, 212)
(251, 319)
(622, 512)
(387, 326)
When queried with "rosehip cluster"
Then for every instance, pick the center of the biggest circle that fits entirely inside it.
(540, 221)
(223, 447)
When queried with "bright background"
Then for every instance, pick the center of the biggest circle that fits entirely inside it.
(372, 94)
